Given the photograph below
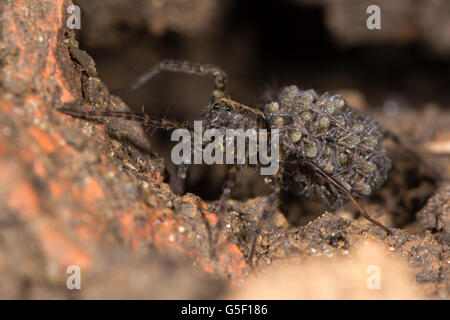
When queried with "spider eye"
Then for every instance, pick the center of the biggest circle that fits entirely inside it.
(228, 108)
(216, 106)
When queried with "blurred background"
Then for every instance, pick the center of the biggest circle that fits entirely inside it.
(323, 44)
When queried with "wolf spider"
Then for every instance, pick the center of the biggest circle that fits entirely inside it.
(328, 149)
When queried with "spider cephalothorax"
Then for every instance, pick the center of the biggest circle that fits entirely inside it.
(229, 114)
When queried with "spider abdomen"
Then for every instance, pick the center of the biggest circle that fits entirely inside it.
(345, 143)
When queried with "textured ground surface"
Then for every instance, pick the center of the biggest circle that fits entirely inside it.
(94, 195)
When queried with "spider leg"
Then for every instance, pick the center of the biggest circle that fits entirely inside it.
(270, 207)
(226, 192)
(179, 183)
(220, 78)
(127, 115)
(396, 139)
(338, 185)
(181, 170)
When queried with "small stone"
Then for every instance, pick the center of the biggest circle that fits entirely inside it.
(111, 175)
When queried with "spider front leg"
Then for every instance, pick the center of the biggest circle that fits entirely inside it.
(220, 78)
(180, 178)
(146, 119)
(224, 197)
(271, 205)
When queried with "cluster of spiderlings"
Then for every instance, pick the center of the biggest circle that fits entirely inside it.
(344, 143)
